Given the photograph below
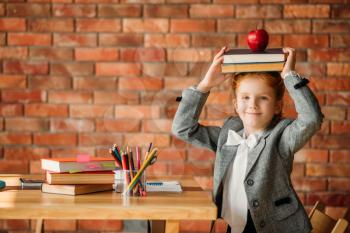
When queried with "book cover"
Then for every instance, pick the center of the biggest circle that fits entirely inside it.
(75, 189)
(252, 67)
(237, 56)
(72, 165)
(91, 177)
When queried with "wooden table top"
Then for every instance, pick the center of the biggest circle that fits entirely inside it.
(192, 203)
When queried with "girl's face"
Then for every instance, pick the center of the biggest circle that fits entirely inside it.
(256, 104)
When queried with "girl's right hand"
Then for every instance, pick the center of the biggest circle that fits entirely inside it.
(213, 76)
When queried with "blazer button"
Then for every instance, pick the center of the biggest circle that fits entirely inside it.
(262, 224)
(255, 203)
(250, 182)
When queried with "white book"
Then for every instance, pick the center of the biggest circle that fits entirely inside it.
(163, 186)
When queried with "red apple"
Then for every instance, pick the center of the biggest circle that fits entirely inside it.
(257, 40)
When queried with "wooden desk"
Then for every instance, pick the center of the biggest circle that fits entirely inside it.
(192, 204)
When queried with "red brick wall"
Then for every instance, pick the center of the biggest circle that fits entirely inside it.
(77, 76)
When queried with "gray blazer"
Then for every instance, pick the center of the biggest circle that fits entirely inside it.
(273, 202)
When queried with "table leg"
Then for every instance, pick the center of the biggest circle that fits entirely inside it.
(39, 226)
(172, 226)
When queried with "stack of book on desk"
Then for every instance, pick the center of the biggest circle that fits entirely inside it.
(244, 60)
(73, 176)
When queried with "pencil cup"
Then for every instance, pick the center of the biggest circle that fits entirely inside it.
(126, 183)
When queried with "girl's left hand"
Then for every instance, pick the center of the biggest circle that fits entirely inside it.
(290, 62)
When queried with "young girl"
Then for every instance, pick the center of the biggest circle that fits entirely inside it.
(254, 151)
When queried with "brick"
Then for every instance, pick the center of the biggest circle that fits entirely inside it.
(71, 125)
(60, 225)
(284, 2)
(140, 84)
(180, 83)
(117, 125)
(68, 152)
(197, 169)
(254, 11)
(124, 39)
(237, 25)
(2, 9)
(219, 98)
(23, 96)
(26, 153)
(331, 141)
(339, 98)
(55, 139)
(145, 25)
(2, 38)
(14, 167)
(90, 111)
(158, 169)
(117, 69)
(50, 25)
(211, 11)
(199, 225)
(28, 10)
(51, 1)
(26, 124)
(49, 82)
(46, 110)
(97, 1)
(309, 184)
(73, 10)
(96, 54)
(72, 69)
(141, 1)
(178, 142)
(198, 69)
(336, 84)
(340, 41)
(298, 170)
(171, 155)
(156, 126)
(142, 55)
(120, 10)
(192, 25)
(287, 26)
(328, 170)
(104, 97)
(137, 112)
(189, 55)
(11, 109)
(29, 39)
(306, 11)
(342, 127)
(111, 225)
(98, 25)
(164, 11)
(164, 97)
(188, 1)
(12, 81)
(340, 156)
(164, 69)
(143, 139)
(200, 155)
(333, 113)
(167, 40)
(339, 184)
(311, 155)
(51, 53)
(308, 69)
(329, 55)
(340, 11)
(74, 40)
(212, 40)
(331, 26)
(25, 67)
(103, 139)
(338, 69)
(12, 24)
(15, 138)
(306, 41)
(13, 52)
(68, 97)
(95, 84)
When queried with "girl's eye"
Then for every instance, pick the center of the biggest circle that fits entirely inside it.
(264, 98)
(245, 97)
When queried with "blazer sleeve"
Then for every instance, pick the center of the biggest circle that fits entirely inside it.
(185, 124)
(308, 121)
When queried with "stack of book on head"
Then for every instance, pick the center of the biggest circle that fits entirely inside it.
(244, 60)
(73, 176)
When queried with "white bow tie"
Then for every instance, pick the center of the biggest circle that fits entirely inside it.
(234, 139)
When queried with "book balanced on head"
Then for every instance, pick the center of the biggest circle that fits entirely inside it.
(245, 60)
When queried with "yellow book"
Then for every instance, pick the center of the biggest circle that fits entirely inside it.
(75, 189)
(252, 67)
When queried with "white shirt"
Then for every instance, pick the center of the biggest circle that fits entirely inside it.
(235, 202)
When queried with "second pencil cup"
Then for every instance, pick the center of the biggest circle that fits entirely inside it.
(125, 183)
